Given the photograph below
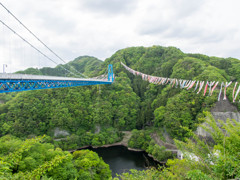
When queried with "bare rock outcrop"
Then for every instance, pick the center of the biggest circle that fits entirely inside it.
(60, 133)
(222, 110)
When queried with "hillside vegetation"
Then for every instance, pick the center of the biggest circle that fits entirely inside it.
(96, 115)
(84, 64)
(129, 103)
(36, 159)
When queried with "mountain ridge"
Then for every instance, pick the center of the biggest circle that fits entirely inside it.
(83, 64)
(130, 102)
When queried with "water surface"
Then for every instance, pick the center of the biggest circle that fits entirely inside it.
(120, 159)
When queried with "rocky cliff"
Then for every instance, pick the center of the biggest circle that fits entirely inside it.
(222, 110)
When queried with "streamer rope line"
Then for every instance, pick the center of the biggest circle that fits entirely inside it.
(210, 87)
(192, 84)
(237, 93)
(188, 84)
(214, 87)
(196, 86)
(219, 96)
(205, 89)
(234, 91)
(200, 87)
(225, 89)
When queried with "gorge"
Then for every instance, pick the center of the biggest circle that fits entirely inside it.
(98, 115)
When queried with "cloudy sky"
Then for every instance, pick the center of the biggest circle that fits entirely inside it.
(101, 27)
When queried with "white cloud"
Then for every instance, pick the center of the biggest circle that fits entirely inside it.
(101, 27)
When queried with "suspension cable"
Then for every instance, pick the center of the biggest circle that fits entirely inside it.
(38, 38)
(36, 48)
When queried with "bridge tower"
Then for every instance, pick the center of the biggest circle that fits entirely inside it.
(110, 73)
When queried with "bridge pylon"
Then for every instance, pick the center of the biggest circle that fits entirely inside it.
(110, 73)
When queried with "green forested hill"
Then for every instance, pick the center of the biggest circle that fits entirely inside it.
(163, 106)
(96, 115)
(36, 159)
(127, 104)
(86, 65)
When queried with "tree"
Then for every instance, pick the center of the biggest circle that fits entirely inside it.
(220, 162)
(159, 116)
(90, 166)
(201, 159)
(32, 160)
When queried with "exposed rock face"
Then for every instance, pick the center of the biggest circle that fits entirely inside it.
(222, 110)
(225, 115)
(98, 129)
(58, 133)
(201, 132)
(169, 146)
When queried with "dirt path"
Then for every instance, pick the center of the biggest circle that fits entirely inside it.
(127, 135)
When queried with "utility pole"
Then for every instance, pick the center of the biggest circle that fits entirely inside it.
(4, 67)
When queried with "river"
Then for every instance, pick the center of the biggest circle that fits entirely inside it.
(120, 159)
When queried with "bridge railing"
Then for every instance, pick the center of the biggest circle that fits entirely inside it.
(25, 82)
(9, 76)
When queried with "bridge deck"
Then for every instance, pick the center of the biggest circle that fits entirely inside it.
(25, 82)
(9, 76)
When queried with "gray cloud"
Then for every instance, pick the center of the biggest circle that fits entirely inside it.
(172, 21)
(183, 32)
(233, 53)
(153, 28)
(101, 27)
(110, 6)
(186, 8)
(57, 23)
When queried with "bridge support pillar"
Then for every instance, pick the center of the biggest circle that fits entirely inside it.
(110, 73)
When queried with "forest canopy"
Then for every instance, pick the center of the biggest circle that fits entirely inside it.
(96, 115)
(129, 103)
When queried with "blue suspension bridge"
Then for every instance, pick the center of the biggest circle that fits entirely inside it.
(24, 82)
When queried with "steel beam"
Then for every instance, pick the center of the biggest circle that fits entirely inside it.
(26, 85)
(23, 82)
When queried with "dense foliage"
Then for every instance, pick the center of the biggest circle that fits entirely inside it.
(32, 159)
(74, 141)
(202, 161)
(95, 115)
(141, 139)
(164, 106)
(82, 65)
(80, 111)
(128, 103)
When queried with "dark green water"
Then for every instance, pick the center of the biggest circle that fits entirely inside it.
(120, 159)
